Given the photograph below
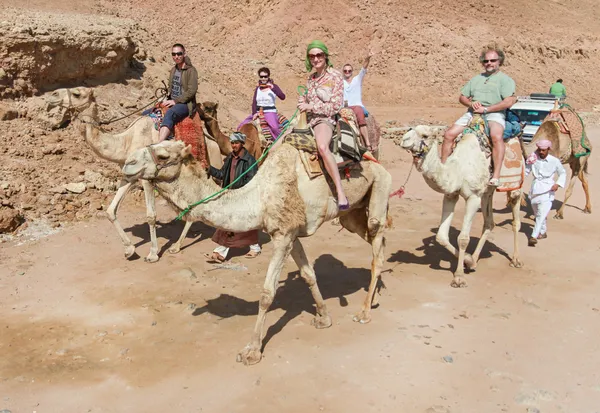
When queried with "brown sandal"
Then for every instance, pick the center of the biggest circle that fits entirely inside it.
(252, 254)
(215, 258)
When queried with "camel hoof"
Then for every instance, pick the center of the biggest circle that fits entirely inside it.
(587, 211)
(249, 356)
(458, 282)
(321, 322)
(129, 251)
(151, 258)
(516, 263)
(362, 318)
(175, 249)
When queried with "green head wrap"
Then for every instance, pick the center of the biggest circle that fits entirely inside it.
(316, 44)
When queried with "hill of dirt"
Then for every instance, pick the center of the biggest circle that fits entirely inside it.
(424, 53)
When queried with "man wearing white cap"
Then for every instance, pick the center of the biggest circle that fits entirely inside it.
(234, 165)
(543, 166)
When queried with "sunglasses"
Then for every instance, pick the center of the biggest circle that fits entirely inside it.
(490, 61)
(348, 71)
(316, 56)
(263, 77)
(177, 54)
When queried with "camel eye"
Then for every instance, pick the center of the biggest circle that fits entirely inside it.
(163, 156)
(76, 93)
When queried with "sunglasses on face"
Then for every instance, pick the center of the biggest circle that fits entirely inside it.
(177, 54)
(263, 77)
(347, 71)
(316, 56)
(490, 61)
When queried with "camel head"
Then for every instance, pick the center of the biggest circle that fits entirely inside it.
(415, 139)
(158, 162)
(63, 104)
(210, 109)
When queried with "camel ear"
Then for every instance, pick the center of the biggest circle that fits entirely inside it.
(186, 152)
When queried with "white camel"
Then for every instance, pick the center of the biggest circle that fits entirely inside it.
(465, 174)
(82, 106)
(282, 200)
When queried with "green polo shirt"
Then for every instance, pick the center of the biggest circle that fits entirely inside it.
(489, 90)
(558, 90)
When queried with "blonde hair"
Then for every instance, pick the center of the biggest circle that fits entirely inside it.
(495, 49)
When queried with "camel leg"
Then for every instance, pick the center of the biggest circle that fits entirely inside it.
(322, 319)
(111, 213)
(488, 223)
(473, 203)
(175, 248)
(516, 226)
(584, 183)
(251, 354)
(575, 170)
(151, 217)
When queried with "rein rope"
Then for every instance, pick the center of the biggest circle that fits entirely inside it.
(302, 91)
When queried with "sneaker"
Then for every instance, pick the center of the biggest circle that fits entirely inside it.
(532, 242)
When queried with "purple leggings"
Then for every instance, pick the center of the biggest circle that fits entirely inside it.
(272, 121)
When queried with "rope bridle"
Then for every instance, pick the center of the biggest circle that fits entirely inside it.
(159, 166)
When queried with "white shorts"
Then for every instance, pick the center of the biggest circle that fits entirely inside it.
(498, 117)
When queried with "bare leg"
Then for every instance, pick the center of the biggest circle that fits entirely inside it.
(498, 147)
(449, 137)
(322, 319)
(365, 135)
(175, 248)
(473, 204)
(111, 213)
(323, 135)
(163, 133)
(251, 354)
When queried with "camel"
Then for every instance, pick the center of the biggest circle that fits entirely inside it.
(212, 126)
(283, 201)
(466, 174)
(115, 148)
(561, 148)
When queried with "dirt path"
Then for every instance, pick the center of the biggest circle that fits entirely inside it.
(83, 330)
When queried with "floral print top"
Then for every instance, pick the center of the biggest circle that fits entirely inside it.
(326, 93)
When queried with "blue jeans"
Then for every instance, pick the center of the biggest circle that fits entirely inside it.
(176, 113)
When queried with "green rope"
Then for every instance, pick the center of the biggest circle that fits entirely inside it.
(302, 92)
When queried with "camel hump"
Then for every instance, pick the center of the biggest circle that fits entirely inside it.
(561, 143)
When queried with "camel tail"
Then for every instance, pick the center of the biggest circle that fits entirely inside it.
(389, 221)
(585, 167)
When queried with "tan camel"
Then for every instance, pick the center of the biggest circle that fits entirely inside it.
(561, 148)
(282, 200)
(466, 174)
(116, 148)
(212, 126)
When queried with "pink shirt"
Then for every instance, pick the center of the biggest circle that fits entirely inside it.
(326, 93)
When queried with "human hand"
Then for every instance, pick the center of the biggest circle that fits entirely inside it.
(476, 105)
(555, 187)
(255, 116)
(370, 54)
(481, 109)
(169, 103)
(305, 107)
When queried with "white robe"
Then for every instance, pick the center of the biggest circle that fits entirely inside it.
(543, 173)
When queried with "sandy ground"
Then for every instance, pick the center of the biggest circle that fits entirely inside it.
(83, 330)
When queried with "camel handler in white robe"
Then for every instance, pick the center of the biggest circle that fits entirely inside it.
(543, 166)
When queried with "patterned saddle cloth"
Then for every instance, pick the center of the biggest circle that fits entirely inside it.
(512, 173)
(264, 133)
(570, 123)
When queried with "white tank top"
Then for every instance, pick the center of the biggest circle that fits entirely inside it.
(266, 98)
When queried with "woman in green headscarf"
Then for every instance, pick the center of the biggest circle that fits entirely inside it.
(323, 101)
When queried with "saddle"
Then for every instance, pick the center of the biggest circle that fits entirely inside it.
(571, 124)
(512, 173)
(345, 145)
(264, 133)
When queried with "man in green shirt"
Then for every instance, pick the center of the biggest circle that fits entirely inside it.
(558, 89)
(489, 93)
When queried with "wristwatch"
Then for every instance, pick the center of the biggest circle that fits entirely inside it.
(484, 111)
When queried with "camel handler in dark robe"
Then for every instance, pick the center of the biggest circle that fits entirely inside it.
(235, 164)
